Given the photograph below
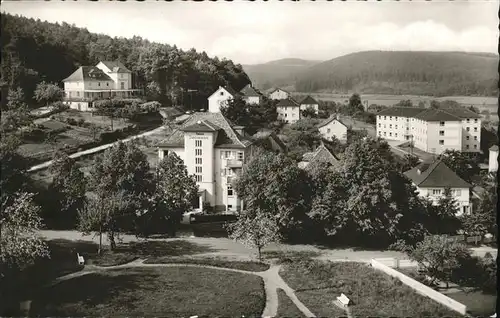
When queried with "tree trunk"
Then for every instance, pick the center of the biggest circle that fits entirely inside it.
(112, 243)
(258, 249)
(99, 250)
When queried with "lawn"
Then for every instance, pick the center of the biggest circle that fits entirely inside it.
(289, 256)
(166, 292)
(286, 307)
(100, 121)
(372, 293)
(217, 262)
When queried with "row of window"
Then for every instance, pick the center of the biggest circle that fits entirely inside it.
(198, 166)
(232, 155)
(454, 192)
(407, 119)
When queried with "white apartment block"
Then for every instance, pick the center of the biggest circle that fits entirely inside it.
(214, 151)
(105, 80)
(431, 180)
(288, 110)
(278, 94)
(431, 130)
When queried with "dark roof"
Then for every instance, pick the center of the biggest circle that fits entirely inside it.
(249, 91)
(200, 126)
(289, 102)
(87, 73)
(266, 136)
(494, 148)
(227, 136)
(437, 115)
(401, 111)
(308, 101)
(461, 112)
(230, 90)
(116, 66)
(329, 120)
(436, 174)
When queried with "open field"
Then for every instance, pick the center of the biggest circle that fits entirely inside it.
(372, 293)
(103, 122)
(481, 102)
(166, 292)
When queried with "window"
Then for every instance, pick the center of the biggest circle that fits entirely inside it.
(197, 143)
(436, 191)
(197, 152)
(475, 137)
(390, 117)
(441, 142)
(466, 146)
(98, 83)
(379, 125)
(475, 129)
(198, 169)
(380, 133)
(407, 119)
(475, 146)
(458, 192)
(385, 126)
(198, 161)
(221, 93)
(390, 134)
(107, 84)
(441, 123)
(122, 85)
(240, 155)
(475, 121)
(78, 94)
(407, 128)
(286, 115)
(198, 178)
(230, 192)
(390, 126)
(385, 117)
(468, 128)
(229, 206)
(396, 134)
(468, 120)
(441, 133)
(467, 137)
(385, 134)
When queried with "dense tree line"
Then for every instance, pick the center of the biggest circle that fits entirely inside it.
(34, 51)
(399, 73)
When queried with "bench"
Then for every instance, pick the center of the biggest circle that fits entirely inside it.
(81, 260)
(343, 300)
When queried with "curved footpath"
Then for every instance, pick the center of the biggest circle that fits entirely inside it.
(272, 282)
(96, 149)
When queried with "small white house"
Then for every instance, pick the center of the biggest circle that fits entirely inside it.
(220, 98)
(250, 95)
(279, 94)
(431, 180)
(333, 127)
(309, 103)
(493, 159)
(288, 110)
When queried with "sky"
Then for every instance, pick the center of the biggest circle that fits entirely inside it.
(258, 32)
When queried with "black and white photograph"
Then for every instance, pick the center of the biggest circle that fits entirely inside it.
(193, 159)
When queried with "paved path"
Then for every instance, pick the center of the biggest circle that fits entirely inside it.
(272, 282)
(97, 149)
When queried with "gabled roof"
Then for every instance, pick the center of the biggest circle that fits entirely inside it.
(277, 88)
(206, 121)
(288, 102)
(437, 115)
(401, 111)
(228, 89)
(321, 154)
(308, 101)
(329, 120)
(435, 174)
(87, 73)
(461, 112)
(262, 136)
(249, 91)
(494, 148)
(116, 66)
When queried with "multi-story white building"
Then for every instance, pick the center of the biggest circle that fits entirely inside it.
(309, 103)
(333, 127)
(220, 98)
(279, 94)
(105, 80)
(431, 180)
(288, 110)
(431, 130)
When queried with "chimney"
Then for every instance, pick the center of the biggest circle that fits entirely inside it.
(240, 130)
(337, 116)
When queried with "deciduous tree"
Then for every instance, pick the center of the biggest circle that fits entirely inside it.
(48, 93)
(463, 164)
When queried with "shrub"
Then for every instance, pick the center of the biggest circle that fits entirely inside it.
(71, 121)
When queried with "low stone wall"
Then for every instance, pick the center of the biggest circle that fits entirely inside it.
(421, 288)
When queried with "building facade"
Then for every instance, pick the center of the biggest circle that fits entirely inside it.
(107, 79)
(279, 94)
(220, 98)
(493, 159)
(288, 110)
(309, 103)
(333, 127)
(250, 95)
(431, 180)
(431, 130)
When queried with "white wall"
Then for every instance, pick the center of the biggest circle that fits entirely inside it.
(452, 138)
(313, 106)
(461, 195)
(393, 127)
(118, 78)
(99, 85)
(279, 94)
(218, 99)
(81, 106)
(288, 114)
(471, 135)
(334, 128)
(221, 173)
(493, 161)
(252, 99)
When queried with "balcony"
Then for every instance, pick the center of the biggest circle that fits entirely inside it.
(232, 163)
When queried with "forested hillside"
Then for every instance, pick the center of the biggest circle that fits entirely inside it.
(33, 51)
(415, 73)
(277, 73)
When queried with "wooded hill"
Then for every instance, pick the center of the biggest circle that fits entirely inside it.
(33, 51)
(412, 73)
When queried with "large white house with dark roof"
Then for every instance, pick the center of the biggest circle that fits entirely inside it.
(309, 103)
(105, 80)
(251, 95)
(432, 130)
(288, 110)
(432, 178)
(333, 127)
